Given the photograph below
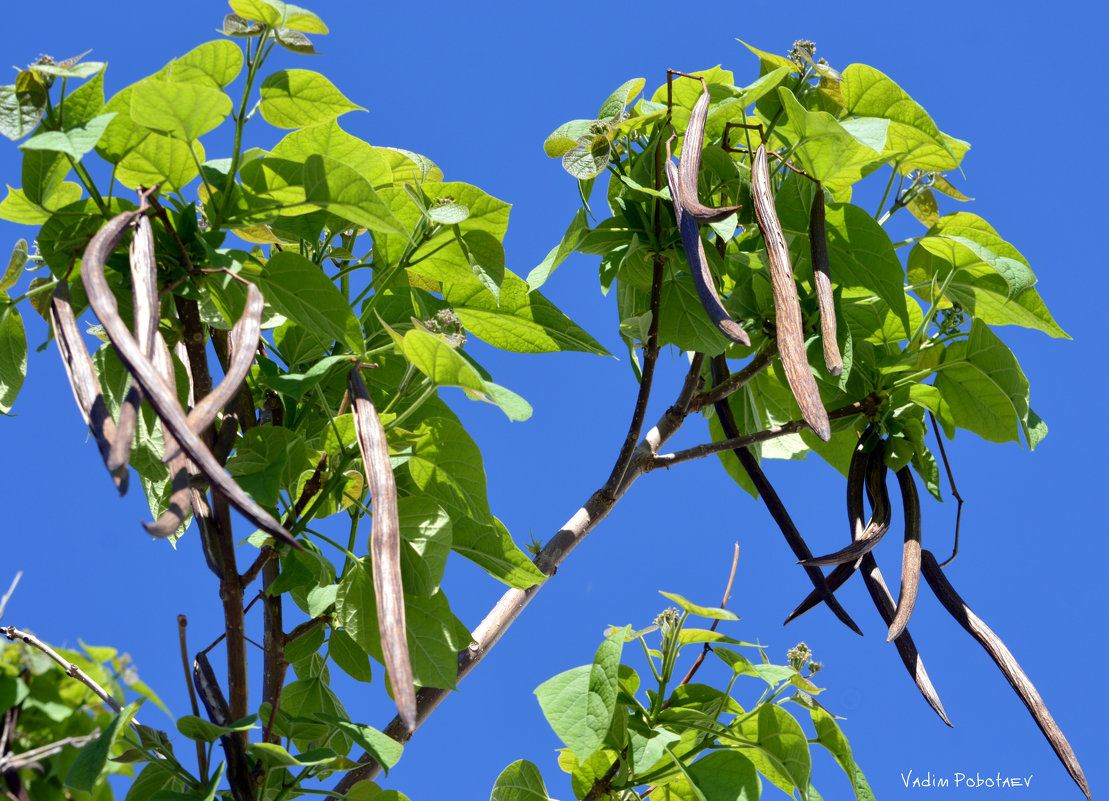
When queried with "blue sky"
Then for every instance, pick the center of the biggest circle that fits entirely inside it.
(477, 87)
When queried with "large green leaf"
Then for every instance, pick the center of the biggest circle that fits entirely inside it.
(965, 254)
(520, 781)
(215, 63)
(682, 319)
(828, 734)
(784, 740)
(487, 213)
(75, 141)
(21, 105)
(425, 528)
(380, 746)
(43, 172)
(182, 110)
(278, 14)
(13, 353)
(445, 463)
(160, 159)
(579, 226)
(267, 460)
(85, 102)
(371, 163)
(982, 383)
(18, 208)
(302, 292)
(725, 776)
(300, 98)
(93, 758)
(523, 321)
(438, 360)
(490, 546)
(338, 188)
(579, 703)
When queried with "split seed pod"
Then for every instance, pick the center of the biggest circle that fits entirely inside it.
(1009, 666)
(384, 547)
(692, 146)
(822, 281)
(791, 337)
(879, 523)
(910, 560)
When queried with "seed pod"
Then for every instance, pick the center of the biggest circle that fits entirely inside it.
(180, 490)
(1009, 666)
(822, 281)
(82, 379)
(879, 523)
(910, 560)
(773, 503)
(698, 263)
(153, 386)
(692, 146)
(384, 547)
(791, 338)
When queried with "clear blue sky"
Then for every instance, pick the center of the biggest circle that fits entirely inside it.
(477, 87)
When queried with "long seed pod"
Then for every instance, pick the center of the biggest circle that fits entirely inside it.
(384, 547)
(82, 379)
(692, 146)
(773, 503)
(208, 689)
(1009, 666)
(698, 262)
(180, 491)
(144, 283)
(791, 337)
(154, 388)
(879, 523)
(822, 281)
(910, 560)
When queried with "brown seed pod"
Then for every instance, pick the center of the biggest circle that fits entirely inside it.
(82, 379)
(910, 560)
(692, 146)
(151, 382)
(698, 262)
(180, 491)
(1009, 666)
(822, 281)
(791, 338)
(384, 547)
(879, 523)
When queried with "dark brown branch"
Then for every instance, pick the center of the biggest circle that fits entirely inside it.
(201, 756)
(954, 491)
(737, 380)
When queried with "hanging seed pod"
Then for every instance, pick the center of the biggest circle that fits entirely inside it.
(180, 491)
(822, 281)
(879, 522)
(83, 381)
(153, 386)
(1009, 666)
(698, 262)
(791, 338)
(384, 547)
(910, 560)
(690, 166)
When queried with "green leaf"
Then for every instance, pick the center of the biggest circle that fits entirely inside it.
(565, 137)
(520, 781)
(682, 319)
(351, 659)
(522, 322)
(828, 734)
(579, 226)
(964, 254)
(426, 530)
(15, 266)
(340, 189)
(294, 41)
(205, 731)
(43, 172)
(267, 460)
(700, 611)
(579, 703)
(983, 385)
(278, 14)
(160, 159)
(381, 747)
(17, 208)
(372, 163)
(21, 105)
(307, 698)
(487, 213)
(300, 98)
(84, 69)
(491, 547)
(435, 358)
(687, 636)
(182, 110)
(618, 100)
(446, 465)
(13, 353)
(234, 25)
(725, 776)
(784, 740)
(93, 758)
(302, 292)
(216, 63)
(75, 141)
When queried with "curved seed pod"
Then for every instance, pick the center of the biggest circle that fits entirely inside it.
(692, 145)
(153, 386)
(791, 338)
(83, 380)
(822, 280)
(144, 283)
(910, 560)
(384, 547)
(879, 523)
(1009, 666)
(773, 503)
(698, 262)
(180, 491)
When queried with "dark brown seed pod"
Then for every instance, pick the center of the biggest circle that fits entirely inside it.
(180, 491)
(692, 146)
(773, 503)
(384, 547)
(82, 379)
(1009, 666)
(698, 262)
(910, 560)
(791, 337)
(879, 523)
(822, 281)
(153, 386)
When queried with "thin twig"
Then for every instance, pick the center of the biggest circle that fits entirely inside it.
(8, 595)
(716, 622)
(954, 490)
(737, 380)
(71, 670)
(201, 756)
